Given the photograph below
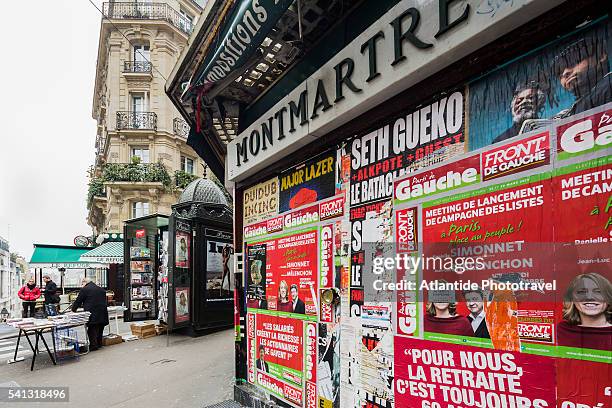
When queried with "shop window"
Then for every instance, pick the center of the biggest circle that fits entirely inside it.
(140, 209)
(187, 164)
(142, 153)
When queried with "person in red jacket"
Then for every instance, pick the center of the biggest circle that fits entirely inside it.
(28, 294)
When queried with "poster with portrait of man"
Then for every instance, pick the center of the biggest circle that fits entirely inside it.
(563, 78)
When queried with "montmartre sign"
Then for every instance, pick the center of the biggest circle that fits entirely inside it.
(413, 40)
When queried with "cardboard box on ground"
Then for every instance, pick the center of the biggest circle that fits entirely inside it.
(111, 339)
(143, 330)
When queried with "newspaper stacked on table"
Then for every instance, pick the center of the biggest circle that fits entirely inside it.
(67, 319)
(70, 319)
(29, 323)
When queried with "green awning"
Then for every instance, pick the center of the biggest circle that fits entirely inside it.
(109, 252)
(59, 256)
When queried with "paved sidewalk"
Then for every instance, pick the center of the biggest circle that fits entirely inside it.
(191, 372)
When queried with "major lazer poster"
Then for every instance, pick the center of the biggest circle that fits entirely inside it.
(309, 182)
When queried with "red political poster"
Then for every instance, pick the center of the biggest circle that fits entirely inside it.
(508, 227)
(583, 384)
(280, 347)
(251, 352)
(326, 272)
(289, 393)
(277, 354)
(310, 354)
(585, 134)
(292, 272)
(515, 157)
(582, 258)
(462, 376)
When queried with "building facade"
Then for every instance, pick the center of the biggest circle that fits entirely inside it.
(380, 160)
(19, 274)
(5, 275)
(142, 161)
(13, 270)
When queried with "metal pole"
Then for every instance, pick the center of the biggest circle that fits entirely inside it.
(299, 10)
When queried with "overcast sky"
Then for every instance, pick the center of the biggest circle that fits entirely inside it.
(47, 134)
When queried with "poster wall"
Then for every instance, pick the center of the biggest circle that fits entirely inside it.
(256, 276)
(556, 304)
(515, 168)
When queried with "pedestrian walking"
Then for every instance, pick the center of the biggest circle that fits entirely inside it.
(93, 299)
(52, 299)
(29, 294)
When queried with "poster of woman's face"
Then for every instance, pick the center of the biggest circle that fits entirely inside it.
(182, 250)
(588, 301)
(182, 305)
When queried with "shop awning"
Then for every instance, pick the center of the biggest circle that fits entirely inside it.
(109, 252)
(60, 256)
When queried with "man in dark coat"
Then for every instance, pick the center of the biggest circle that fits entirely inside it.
(298, 304)
(93, 299)
(52, 299)
(474, 300)
(261, 362)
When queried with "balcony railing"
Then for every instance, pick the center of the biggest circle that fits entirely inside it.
(148, 11)
(136, 120)
(181, 128)
(137, 66)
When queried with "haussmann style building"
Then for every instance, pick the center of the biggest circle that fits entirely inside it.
(142, 161)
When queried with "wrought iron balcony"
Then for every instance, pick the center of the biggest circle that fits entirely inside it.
(147, 11)
(137, 66)
(136, 120)
(181, 128)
